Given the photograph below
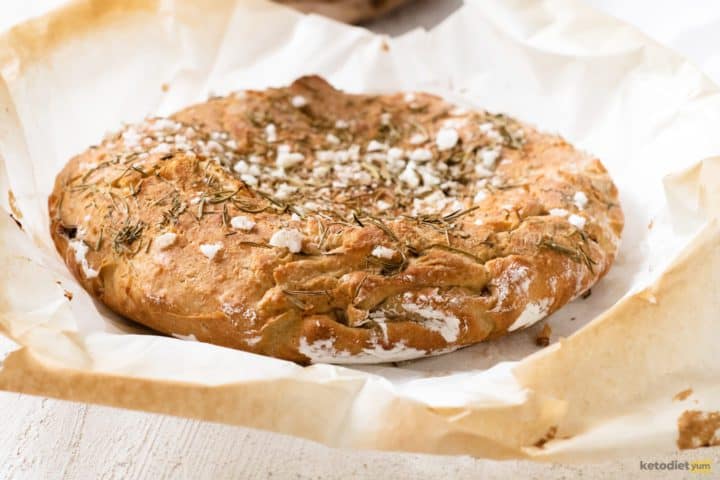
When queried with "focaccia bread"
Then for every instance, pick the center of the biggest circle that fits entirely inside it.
(318, 226)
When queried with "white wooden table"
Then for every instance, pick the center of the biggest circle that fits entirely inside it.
(47, 439)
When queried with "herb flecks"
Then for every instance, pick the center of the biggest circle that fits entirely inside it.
(126, 236)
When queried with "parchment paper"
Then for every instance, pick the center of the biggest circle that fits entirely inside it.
(605, 386)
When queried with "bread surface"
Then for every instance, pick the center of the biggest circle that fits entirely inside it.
(318, 226)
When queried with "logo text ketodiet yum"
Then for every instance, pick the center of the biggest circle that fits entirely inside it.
(676, 465)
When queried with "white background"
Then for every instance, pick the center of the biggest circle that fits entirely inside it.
(45, 438)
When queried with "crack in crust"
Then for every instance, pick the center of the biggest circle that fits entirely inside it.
(313, 225)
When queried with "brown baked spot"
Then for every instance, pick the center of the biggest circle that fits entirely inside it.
(549, 435)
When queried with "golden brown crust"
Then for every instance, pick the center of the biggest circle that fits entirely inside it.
(314, 225)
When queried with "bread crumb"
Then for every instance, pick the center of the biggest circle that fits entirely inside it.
(680, 396)
(698, 429)
(165, 87)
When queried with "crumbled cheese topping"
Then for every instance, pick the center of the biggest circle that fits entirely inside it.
(489, 157)
(289, 238)
(210, 249)
(410, 176)
(383, 252)
(242, 222)
(480, 196)
(447, 138)
(395, 154)
(417, 139)
(332, 139)
(577, 221)
(341, 124)
(286, 159)
(270, 133)
(558, 212)
(375, 146)
(165, 240)
(421, 155)
(298, 101)
(580, 199)
(382, 205)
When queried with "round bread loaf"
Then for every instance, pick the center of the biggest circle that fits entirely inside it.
(350, 11)
(318, 226)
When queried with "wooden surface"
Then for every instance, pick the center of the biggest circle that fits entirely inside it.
(50, 439)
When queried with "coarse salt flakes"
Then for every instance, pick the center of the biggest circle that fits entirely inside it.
(341, 124)
(558, 212)
(332, 139)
